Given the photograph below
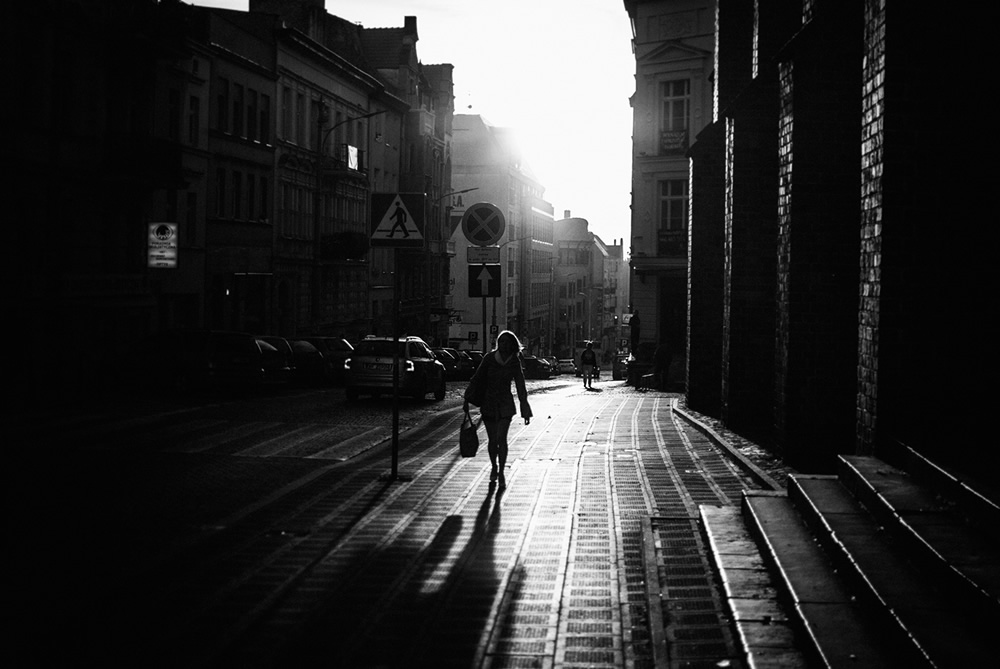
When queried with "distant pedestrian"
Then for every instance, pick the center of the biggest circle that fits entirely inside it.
(634, 324)
(496, 371)
(588, 360)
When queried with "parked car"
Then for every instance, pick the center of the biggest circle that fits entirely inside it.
(309, 366)
(535, 368)
(567, 366)
(465, 367)
(183, 361)
(335, 351)
(476, 357)
(275, 361)
(370, 368)
(449, 361)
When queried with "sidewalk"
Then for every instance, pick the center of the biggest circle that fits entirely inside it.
(593, 555)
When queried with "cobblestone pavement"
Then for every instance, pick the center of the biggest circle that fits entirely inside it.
(234, 539)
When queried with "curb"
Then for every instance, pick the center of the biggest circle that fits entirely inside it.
(756, 472)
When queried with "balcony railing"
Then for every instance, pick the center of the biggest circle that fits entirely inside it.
(673, 142)
(671, 243)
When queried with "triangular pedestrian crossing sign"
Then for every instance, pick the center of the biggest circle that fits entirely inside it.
(397, 225)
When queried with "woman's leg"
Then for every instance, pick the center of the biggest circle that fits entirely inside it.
(502, 428)
(492, 427)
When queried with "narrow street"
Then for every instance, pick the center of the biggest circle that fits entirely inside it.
(244, 533)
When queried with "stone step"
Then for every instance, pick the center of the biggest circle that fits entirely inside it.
(920, 614)
(933, 525)
(764, 624)
(979, 502)
(872, 567)
(840, 633)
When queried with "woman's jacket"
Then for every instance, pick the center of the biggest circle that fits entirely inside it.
(499, 402)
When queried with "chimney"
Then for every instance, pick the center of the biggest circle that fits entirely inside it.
(566, 213)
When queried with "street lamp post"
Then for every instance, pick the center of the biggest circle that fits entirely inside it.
(586, 323)
(317, 273)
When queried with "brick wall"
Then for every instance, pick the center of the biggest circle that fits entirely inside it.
(783, 288)
(818, 212)
(855, 312)
(872, 169)
(927, 180)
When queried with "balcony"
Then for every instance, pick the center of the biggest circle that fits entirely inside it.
(671, 243)
(673, 142)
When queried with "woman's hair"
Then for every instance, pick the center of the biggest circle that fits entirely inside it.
(508, 333)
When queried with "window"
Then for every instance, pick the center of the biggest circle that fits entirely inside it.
(220, 193)
(300, 119)
(251, 114)
(264, 213)
(251, 198)
(672, 233)
(194, 120)
(338, 134)
(286, 114)
(285, 204)
(675, 106)
(265, 119)
(222, 105)
(314, 137)
(238, 110)
(237, 208)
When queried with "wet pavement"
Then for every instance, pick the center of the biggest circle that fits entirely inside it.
(185, 539)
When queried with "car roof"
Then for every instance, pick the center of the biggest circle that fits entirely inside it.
(403, 339)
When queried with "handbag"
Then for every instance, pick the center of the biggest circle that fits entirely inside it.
(475, 394)
(468, 439)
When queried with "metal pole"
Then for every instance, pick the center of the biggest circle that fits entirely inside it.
(395, 364)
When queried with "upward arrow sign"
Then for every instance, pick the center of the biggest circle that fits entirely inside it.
(484, 280)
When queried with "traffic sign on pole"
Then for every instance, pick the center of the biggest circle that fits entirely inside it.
(483, 255)
(484, 280)
(483, 224)
(398, 220)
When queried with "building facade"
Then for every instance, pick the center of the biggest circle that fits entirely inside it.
(251, 142)
(487, 164)
(104, 146)
(614, 330)
(579, 285)
(673, 44)
(341, 127)
(822, 289)
(239, 216)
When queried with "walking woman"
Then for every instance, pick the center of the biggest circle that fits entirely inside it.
(496, 371)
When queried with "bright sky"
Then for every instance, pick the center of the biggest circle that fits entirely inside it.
(559, 72)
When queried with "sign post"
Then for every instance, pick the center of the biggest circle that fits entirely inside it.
(397, 222)
(484, 224)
